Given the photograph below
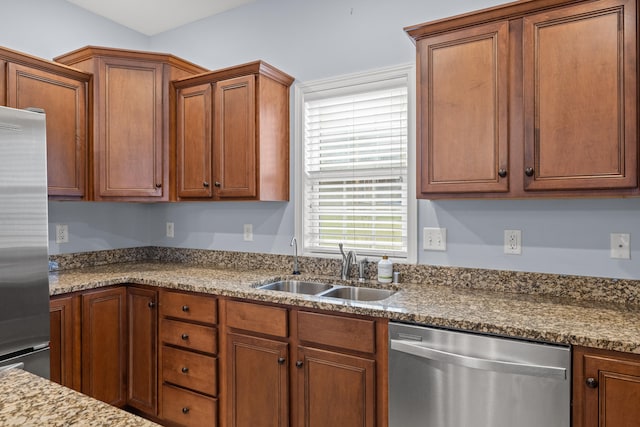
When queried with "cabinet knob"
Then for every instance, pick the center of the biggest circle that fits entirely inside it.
(151, 304)
(158, 185)
(185, 308)
(592, 383)
(217, 184)
(299, 364)
(205, 184)
(281, 360)
(502, 173)
(185, 410)
(528, 171)
(185, 336)
(184, 369)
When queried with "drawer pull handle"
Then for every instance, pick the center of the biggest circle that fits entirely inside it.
(592, 383)
(299, 364)
(185, 336)
(185, 370)
(502, 173)
(185, 308)
(185, 410)
(281, 360)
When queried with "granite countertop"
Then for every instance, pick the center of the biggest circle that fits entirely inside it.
(29, 400)
(536, 317)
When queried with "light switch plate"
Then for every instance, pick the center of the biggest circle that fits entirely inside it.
(434, 239)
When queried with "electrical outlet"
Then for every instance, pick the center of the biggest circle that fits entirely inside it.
(62, 233)
(620, 245)
(434, 239)
(170, 230)
(248, 232)
(513, 242)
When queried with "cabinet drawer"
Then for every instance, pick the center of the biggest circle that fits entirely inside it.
(191, 370)
(197, 308)
(257, 318)
(188, 335)
(188, 408)
(336, 331)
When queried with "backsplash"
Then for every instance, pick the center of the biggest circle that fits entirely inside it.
(584, 288)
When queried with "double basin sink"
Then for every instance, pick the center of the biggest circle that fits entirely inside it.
(326, 290)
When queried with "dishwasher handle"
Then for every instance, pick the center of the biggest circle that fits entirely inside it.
(477, 363)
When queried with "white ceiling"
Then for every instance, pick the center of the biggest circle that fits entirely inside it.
(155, 16)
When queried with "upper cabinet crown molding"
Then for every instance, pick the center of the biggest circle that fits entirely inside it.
(535, 98)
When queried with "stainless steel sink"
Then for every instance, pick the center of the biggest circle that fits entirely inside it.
(297, 287)
(356, 293)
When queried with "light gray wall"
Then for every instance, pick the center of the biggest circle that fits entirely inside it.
(312, 40)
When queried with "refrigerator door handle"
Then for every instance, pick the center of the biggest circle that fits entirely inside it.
(14, 366)
(477, 363)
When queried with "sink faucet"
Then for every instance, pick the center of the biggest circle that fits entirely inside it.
(294, 243)
(347, 259)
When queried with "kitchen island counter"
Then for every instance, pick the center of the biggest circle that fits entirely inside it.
(537, 317)
(29, 400)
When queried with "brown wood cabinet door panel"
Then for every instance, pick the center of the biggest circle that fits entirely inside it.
(190, 370)
(104, 359)
(258, 394)
(335, 389)
(189, 306)
(615, 400)
(194, 142)
(64, 101)
(235, 138)
(61, 341)
(142, 370)
(336, 331)
(189, 409)
(463, 115)
(258, 318)
(129, 152)
(580, 97)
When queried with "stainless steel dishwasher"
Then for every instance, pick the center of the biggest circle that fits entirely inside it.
(443, 378)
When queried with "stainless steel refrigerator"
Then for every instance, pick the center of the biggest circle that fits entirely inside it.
(24, 281)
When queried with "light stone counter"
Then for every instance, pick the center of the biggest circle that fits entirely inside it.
(31, 401)
(537, 317)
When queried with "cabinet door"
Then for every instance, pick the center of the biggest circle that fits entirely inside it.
(235, 138)
(129, 152)
(335, 389)
(65, 104)
(258, 394)
(462, 111)
(580, 97)
(606, 389)
(194, 142)
(142, 370)
(61, 341)
(104, 357)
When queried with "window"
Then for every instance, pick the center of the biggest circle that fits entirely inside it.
(353, 174)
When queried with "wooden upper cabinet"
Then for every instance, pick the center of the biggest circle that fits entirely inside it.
(62, 93)
(580, 96)
(131, 120)
(240, 133)
(534, 98)
(463, 123)
(194, 141)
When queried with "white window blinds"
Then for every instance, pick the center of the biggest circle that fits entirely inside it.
(355, 169)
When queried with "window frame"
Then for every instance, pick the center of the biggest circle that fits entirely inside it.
(337, 86)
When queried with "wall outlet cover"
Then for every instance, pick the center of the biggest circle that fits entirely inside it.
(513, 242)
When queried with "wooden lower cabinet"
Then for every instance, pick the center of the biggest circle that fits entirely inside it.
(606, 388)
(62, 342)
(258, 390)
(142, 339)
(104, 345)
(289, 367)
(335, 389)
